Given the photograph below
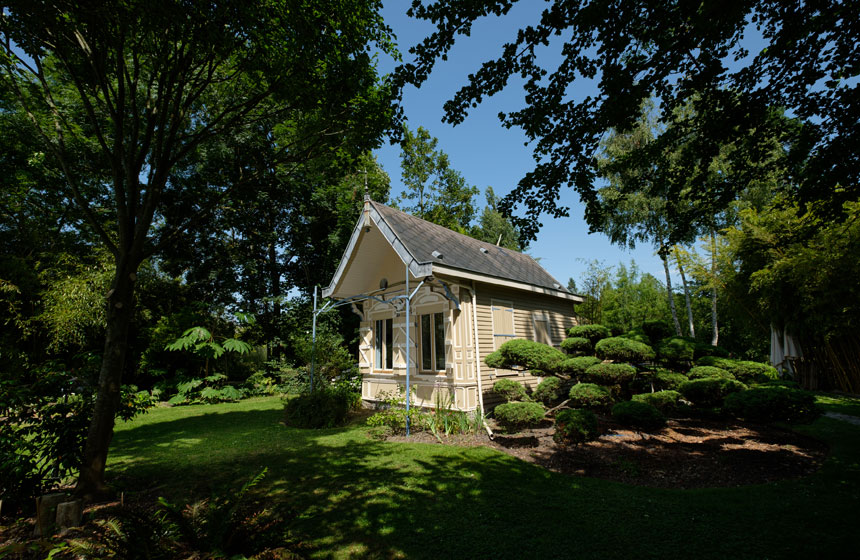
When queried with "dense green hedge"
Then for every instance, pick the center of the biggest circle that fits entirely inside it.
(539, 358)
(549, 391)
(575, 426)
(623, 350)
(576, 344)
(676, 349)
(704, 372)
(590, 395)
(609, 374)
(576, 366)
(639, 415)
(771, 404)
(744, 371)
(710, 391)
(592, 332)
(515, 416)
(664, 401)
(510, 390)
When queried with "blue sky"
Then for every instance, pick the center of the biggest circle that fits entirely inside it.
(484, 151)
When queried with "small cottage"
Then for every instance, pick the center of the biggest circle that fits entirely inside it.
(468, 297)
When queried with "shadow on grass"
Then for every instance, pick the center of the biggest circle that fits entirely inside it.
(363, 498)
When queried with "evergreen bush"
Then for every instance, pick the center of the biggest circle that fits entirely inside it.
(590, 395)
(772, 404)
(575, 426)
(704, 372)
(575, 367)
(656, 330)
(674, 349)
(510, 390)
(576, 345)
(638, 335)
(549, 391)
(515, 416)
(639, 415)
(496, 361)
(709, 391)
(623, 350)
(664, 401)
(744, 371)
(539, 358)
(592, 332)
(610, 374)
(324, 408)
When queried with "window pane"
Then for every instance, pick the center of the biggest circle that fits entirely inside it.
(440, 340)
(389, 343)
(425, 343)
(377, 347)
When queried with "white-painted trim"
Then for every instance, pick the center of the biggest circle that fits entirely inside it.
(457, 273)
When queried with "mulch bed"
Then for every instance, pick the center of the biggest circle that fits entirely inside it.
(688, 453)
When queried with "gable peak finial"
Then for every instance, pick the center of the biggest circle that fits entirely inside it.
(366, 192)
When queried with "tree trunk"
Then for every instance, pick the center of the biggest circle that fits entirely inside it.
(686, 294)
(715, 330)
(275, 287)
(665, 259)
(120, 311)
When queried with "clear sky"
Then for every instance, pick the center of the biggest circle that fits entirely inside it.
(484, 151)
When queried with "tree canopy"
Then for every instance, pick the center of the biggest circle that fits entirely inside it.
(680, 53)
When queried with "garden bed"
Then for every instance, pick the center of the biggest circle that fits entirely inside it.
(688, 453)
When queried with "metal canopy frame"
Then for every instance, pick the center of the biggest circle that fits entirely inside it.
(406, 297)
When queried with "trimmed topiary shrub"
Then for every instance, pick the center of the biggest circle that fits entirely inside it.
(514, 416)
(772, 404)
(786, 383)
(609, 374)
(324, 408)
(590, 395)
(549, 391)
(744, 371)
(639, 415)
(704, 372)
(576, 366)
(539, 358)
(669, 380)
(623, 350)
(495, 360)
(638, 335)
(592, 332)
(574, 426)
(710, 391)
(664, 401)
(703, 349)
(510, 390)
(576, 345)
(675, 349)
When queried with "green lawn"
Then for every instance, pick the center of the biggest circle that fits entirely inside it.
(363, 498)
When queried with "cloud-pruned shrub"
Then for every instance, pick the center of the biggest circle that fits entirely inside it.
(623, 350)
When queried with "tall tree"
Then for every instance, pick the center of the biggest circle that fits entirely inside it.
(147, 87)
(434, 190)
(679, 52)
(494, 227)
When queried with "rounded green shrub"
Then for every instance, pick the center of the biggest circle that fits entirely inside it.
(674, 349)
(772, 404)
(539, 358)
(656, 330)
(324, 408)
(623, 350)
(576, 345)
(495, 360)
(514, 416)
(609, 374)
(639, 415)
(549, 391)
(669, 380)
(592, 332)
(744, 371)
(703, 349)
(575, 426)
(510, 390)
(590, 395)
(638, 335)
(664, 401)
(704, 372)
(709, 391)
(577, 366)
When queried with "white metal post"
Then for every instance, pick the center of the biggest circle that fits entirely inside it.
(408, 347)
(314, 340)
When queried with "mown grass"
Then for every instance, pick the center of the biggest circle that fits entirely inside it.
(364, 498)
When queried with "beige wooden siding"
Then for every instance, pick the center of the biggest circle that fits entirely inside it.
(559, 316)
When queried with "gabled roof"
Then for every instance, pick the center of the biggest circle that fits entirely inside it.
(429, 248)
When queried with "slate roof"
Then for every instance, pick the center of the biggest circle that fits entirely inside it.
(459, 251)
